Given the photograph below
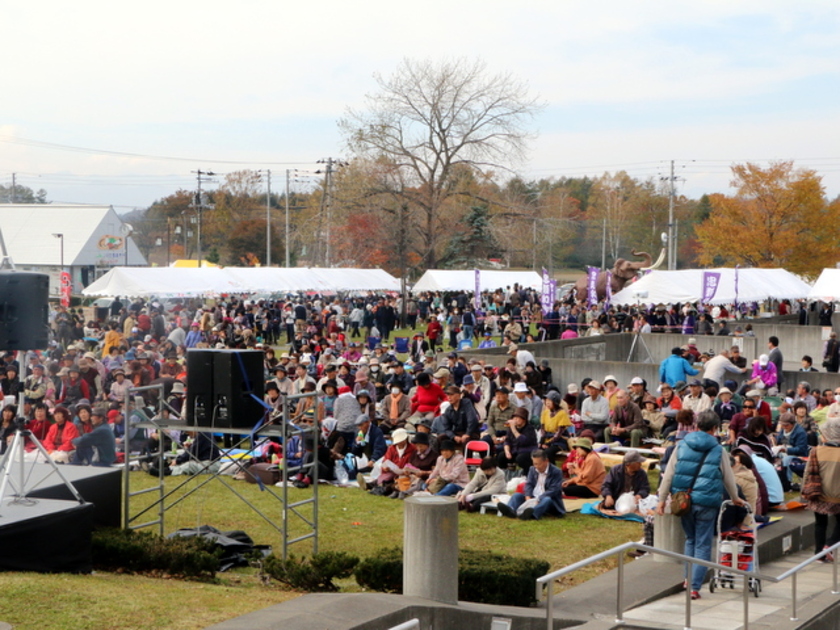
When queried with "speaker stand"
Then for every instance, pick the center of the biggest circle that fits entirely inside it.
(15, 454)
(6, 262)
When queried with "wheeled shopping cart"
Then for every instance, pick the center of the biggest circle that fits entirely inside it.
(737, 548)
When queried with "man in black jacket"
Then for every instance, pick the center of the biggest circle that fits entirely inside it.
(460, 420)
(626, 477)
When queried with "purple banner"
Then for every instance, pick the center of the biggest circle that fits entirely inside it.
(737, 267)
(609, 292)
(553, 292)
(546, 292)
(710, 284)
(592, 284)
(477, 289)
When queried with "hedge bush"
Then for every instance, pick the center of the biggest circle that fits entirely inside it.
(315, 574)
(483, 577)
(143, 552)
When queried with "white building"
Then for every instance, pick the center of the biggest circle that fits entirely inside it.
(93, 239)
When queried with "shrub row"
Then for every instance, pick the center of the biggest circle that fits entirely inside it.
(312, 574)
(483, 577)
(143, 552)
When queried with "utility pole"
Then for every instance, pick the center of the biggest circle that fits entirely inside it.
(672, 232)
(287, 218)
(268, 221)
(14, 190)
(604, 245)
(327, 192)
(534, 253)
(199, 203)
(328, 172)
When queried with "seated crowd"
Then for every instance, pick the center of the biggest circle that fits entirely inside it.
(408, 425)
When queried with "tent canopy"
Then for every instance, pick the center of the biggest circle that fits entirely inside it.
(464, 280)
(754, 285)
(827, 286)
(184, 282)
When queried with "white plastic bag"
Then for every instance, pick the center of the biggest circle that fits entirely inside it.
(530, 503)
(513, 484)
(377, 469)
(648, 505)
(341, 475)
(626, 503)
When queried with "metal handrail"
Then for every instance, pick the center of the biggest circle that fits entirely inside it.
(548, 579)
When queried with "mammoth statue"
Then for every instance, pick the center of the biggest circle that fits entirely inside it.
(623, 271)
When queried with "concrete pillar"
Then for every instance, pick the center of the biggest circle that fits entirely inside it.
(668, 535)
(430, 548)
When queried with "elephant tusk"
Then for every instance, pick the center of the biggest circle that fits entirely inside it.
(657, 263)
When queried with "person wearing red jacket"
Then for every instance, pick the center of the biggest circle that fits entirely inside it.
(396, 458)
(428, 397)
(433, 331)
(59, 440)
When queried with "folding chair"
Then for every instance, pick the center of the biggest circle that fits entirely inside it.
(401, 345)
(475, 451)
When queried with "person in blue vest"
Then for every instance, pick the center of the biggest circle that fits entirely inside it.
(699, 466)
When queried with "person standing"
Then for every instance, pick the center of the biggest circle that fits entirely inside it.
(698, 465)
(821, 487)
(776, 358)
(675, 368)
(831, 354)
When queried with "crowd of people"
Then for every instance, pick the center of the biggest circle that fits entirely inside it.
(407, 420)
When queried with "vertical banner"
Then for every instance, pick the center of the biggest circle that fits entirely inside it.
(608, 294)
(477, 289)
(66, 289)
(553, 291)
(592, 285)
(710, 285)
(546, 292)
(737, 267)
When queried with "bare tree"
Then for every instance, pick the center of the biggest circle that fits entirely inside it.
(430, 118)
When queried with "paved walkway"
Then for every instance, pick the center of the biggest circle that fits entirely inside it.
(724, 609)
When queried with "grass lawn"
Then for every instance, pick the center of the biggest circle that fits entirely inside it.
(350, 520)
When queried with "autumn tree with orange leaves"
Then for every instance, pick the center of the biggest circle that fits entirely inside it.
(778, 217)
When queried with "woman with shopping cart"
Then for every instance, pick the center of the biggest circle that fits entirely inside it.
(698, 466)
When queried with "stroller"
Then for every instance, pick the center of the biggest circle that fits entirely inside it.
(739, 549)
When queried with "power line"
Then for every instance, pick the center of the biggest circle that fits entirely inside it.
(66, 147)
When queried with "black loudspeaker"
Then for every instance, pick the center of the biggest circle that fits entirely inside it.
(199, 387)
(237, 374)
(24, 310)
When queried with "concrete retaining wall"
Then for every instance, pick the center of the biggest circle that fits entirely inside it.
(572, 360)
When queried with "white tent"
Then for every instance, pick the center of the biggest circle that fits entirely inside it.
(464, 280)
(183, 282)
(827, 286)
(754, 285)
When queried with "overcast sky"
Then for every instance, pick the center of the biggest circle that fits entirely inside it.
(627, 85)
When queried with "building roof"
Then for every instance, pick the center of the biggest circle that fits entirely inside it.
(93, 235)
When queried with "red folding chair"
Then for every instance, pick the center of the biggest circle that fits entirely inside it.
(475, 451)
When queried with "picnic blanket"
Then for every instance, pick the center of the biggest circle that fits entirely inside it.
(591, 508)
(611, 459)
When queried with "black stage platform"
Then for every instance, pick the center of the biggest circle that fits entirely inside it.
(48, 536)
(98, 485)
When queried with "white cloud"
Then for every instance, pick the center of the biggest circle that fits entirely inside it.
(267, 80)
